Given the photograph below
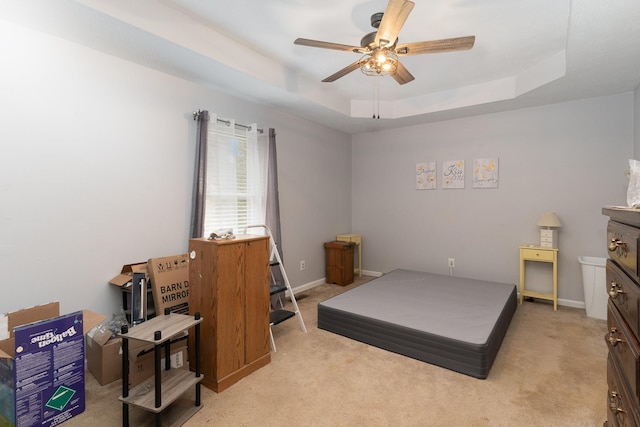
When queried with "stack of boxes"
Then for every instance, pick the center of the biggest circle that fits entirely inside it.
(168, 284)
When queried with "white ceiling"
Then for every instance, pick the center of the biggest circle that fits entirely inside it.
(527, 52)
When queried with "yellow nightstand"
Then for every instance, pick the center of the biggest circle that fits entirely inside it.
(537, 253)
(357, 239)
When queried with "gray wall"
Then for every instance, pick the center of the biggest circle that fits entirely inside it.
(96, 170)
(569, 158)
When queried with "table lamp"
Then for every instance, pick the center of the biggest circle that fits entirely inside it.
(549, 223)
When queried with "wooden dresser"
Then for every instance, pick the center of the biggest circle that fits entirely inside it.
(623, 322)
(229, 286)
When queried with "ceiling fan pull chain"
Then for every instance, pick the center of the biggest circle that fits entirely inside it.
(373, 104)
(378, 97)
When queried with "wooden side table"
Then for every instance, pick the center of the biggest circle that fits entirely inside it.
(339, 260)
(357, 239)
(537, 253)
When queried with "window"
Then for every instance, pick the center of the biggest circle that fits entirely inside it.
(236, 177)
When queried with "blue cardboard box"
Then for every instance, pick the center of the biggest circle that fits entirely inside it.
(42, 365)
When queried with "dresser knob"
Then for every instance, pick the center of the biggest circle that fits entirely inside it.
(615, 244)
(612, 339)
(613, 404)
(614, 290)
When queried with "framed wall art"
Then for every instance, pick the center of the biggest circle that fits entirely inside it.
(485, 173)
(426, 176)
(453, 174)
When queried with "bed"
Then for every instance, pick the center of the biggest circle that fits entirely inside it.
(452, 322)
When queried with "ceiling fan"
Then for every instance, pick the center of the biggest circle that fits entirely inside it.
(380, 49)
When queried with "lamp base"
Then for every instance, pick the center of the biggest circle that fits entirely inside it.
(548, 238)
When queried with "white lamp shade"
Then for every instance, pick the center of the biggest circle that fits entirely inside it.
(549, 220)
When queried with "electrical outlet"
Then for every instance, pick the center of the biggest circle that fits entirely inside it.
(452, 262)
(302, 266)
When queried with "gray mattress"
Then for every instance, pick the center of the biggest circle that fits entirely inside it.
(447, 321)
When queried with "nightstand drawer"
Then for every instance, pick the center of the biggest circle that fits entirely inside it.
(537, 254)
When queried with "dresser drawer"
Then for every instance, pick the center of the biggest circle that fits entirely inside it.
(624, 293)
(625, 348)
(621, 409)
(622, 243)
(537, 254)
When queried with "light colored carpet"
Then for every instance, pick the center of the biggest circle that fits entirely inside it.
(550, 371)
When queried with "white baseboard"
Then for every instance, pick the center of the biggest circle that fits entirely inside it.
(372, 273)
(571, 303)
(322, 281)
(308, 286)
(566, 302)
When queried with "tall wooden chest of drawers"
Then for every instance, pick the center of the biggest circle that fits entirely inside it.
(229, 286)
(623, 322)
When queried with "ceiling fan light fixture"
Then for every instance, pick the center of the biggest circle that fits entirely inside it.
(379, 64)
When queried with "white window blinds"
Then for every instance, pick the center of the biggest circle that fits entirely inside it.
(236, 176)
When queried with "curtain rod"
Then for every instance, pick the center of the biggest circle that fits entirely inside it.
(226, 122)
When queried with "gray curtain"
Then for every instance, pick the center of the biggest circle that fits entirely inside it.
(272, 217)
(200, 175)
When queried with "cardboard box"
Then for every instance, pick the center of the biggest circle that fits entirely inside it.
(42, 365)
(126, 274)
(170, 283)
(104, 361)
(104, 358)
(142, 365)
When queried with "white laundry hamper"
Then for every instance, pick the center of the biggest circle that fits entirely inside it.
(594, 280)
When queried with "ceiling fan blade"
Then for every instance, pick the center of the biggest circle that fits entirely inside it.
(436, 46)
(402, 75)
(328, 45)
(346, 70)
(393, 19)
